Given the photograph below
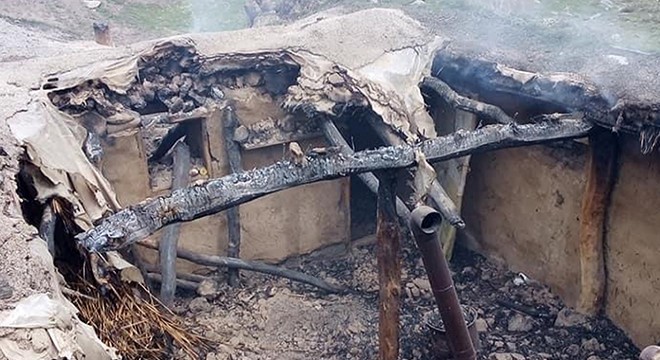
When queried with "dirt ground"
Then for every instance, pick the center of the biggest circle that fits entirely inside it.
(270, 318)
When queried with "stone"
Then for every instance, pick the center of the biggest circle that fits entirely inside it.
(207, 288)
(593, 357)
(505, 356)
(422, 284)
(92, 4)
(481, 325)
(520, 323)
(335, 79)
(415, 292)
(573, 350)
(550, 340)
(6, 290)
(568, 318)
(253, 79)
(199, 304)
(592, 345)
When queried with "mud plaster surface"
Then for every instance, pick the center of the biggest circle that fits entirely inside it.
(21, 274)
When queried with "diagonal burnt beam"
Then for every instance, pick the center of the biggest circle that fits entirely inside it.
(484, 110)
(139, 221)
(335, 138)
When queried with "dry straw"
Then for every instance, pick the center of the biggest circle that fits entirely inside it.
(134, 322)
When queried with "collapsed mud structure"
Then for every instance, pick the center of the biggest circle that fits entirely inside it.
(234, 150)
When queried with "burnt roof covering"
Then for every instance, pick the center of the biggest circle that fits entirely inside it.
(623, 66)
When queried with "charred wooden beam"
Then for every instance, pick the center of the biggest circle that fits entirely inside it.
(140, 220)
(169, 118)
(179, 275)
(216, 261)
(455, 182)
(230, 123)
(388, 235)
(168, 244)
(180, 283)
(601, 169)
(484, 110)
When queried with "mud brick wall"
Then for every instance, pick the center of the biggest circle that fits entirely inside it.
(274, 227)
(523, 206)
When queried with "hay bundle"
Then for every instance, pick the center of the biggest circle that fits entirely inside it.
(133, 321)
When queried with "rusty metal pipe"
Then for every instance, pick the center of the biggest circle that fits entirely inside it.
(425, 222)
(650, 353)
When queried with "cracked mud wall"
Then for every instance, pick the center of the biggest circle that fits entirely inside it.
(523, 206)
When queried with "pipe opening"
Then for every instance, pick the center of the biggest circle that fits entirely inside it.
(431, 223)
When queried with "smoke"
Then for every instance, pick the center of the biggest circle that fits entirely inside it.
(217, 15)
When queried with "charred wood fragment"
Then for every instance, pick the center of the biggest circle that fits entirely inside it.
(484, 110)
(388, 234)
(47, 228)
(563, 91)
(601, 169)
(230, 123)
(172, 136)
(168, 244)
(140, 220)
(216, 261)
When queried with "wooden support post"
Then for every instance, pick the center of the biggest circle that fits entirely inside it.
(388, 235)
(601, 169)
(230, 123)
(168, 244)
(102, 34)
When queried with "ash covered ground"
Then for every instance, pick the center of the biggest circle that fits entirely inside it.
(271, 318)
